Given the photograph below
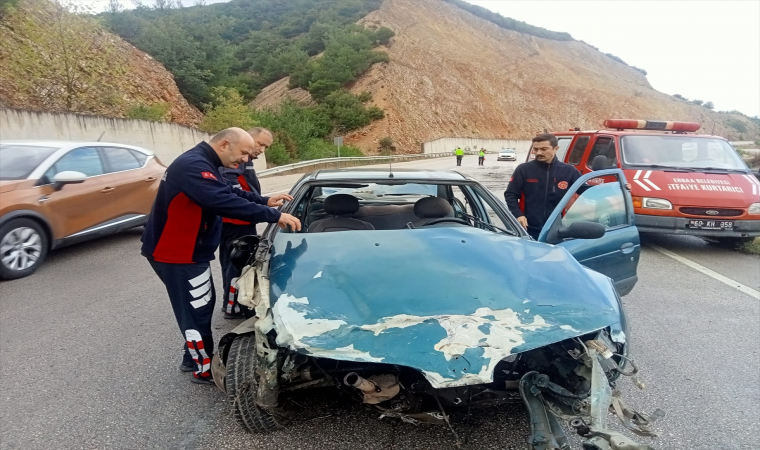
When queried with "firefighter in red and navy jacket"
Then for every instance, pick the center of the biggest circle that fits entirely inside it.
(537, 186)
(243, 177)
(183, 232)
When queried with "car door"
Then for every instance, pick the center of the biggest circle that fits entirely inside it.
(616, 254)
(75, 207)
(130, 183)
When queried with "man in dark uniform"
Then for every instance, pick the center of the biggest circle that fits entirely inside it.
(243, 177)
(184, 229)
(537, 186)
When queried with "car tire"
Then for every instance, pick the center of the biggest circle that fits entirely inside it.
(242, 385)
(733, 242)
(23, 248)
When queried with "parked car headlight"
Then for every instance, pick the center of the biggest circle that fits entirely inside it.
(754, 208)
(656, 203)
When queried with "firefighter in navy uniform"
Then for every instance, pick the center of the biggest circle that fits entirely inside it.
(242, 177)
(537, 186)
(183, 232)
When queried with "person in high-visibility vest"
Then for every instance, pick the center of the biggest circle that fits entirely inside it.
(460, 153)
(481, 156)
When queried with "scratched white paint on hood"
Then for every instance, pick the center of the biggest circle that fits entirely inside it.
(347, 353)
(292, 324)
(497, 332)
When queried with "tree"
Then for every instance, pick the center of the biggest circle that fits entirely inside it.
(709, 105)
(67, 58)
(227, 111)
(697, 102)
(386, 146)
(680, 97)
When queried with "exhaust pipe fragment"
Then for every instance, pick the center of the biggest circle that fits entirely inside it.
(378, 388)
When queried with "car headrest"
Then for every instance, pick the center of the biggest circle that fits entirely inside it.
(432, 208)
(341, 204)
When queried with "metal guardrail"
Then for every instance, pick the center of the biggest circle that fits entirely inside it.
(303, 165)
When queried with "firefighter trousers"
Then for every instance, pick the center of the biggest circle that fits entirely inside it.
(230, 274)
(192, 295)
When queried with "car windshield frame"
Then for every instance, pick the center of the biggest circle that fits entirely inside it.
(23, 172)
(301, 190)
(636, 152)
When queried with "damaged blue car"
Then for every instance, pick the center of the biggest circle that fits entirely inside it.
(421, 292)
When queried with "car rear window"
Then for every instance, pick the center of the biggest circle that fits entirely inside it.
(120, 159)
(18, 161)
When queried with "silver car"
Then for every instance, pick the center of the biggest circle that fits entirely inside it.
(507, 154)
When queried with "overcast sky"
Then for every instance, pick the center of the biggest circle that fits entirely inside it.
(706, 50)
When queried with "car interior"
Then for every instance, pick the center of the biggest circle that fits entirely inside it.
(373, 206)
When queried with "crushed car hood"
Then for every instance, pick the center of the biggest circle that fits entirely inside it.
(449, 302)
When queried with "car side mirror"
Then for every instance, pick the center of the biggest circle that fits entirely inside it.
(582, 230)
(242, 250)
(599, 163)
(67, 177)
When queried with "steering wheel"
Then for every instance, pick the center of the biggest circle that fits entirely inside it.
(447, 219)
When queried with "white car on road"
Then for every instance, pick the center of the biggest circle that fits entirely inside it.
(507, 154)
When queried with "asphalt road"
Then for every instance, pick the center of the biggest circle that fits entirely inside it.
(89, 351)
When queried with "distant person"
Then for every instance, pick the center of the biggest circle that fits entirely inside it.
(183, 232)
(243, 177)
(481, 156)
(460, 154)
(537, 186)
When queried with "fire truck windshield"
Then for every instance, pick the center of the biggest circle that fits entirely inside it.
(682, 152)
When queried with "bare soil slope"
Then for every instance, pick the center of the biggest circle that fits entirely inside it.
(454, 74)
(100, 74)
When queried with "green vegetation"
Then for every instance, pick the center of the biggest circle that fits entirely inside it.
(6, 6)
(386, 146)
(248, 44)
(736, 124)
(222, 55)
(751, 248)
(510, 24)
(59, 58)
(157, 112)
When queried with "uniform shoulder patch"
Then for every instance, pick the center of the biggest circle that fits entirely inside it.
(208, 175)
(562, 185)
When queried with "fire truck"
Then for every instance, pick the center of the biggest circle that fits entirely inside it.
(681, 182)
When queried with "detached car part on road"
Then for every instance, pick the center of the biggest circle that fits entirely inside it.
(428, 295)
(56, 193)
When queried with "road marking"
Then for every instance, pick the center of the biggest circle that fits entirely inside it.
(710, 273)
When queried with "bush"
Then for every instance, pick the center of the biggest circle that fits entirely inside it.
(386, 146)
(680, 97)
(737, 125)
(228, 110)
(6, 6)
(157, 112)
(697, 102)
(709, 105)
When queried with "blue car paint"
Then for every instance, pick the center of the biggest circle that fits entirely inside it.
(616, 254)
(445, 281)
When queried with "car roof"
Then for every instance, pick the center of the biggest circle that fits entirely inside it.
(73, 144)
(384, 173)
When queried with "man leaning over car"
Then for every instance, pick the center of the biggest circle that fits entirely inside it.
(183, 232)
(243, 177)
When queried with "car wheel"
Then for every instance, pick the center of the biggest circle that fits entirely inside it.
(23, 248)
(733, 242)
(242, 385)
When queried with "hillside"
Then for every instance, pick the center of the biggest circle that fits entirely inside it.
(53, 60)
(482, 80)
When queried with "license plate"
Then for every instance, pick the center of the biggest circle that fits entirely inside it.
(711, 224)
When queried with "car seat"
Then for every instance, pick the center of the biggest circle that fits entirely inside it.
(339, 206)
(431, 208)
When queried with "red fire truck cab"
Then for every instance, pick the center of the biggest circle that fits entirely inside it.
(681, 182)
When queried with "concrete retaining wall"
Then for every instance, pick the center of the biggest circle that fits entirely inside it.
(167, 140)
(448, 144)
